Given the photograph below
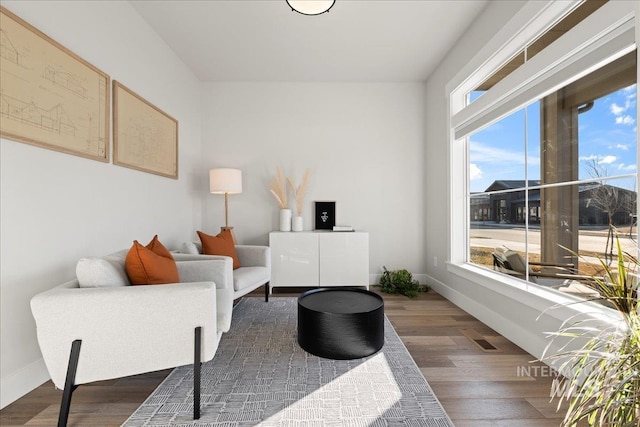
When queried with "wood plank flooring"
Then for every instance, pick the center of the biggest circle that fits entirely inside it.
(478, 387)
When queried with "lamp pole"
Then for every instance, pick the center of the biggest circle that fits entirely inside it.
(226, 210)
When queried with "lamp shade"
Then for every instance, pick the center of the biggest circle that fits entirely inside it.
(223, 181)
(311, 7)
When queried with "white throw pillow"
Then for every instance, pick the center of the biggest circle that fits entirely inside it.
(97, 272)
(189, 248)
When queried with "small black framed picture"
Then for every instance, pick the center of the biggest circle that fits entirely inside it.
(325, 215)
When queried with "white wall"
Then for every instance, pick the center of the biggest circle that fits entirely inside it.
(438, 173)
(364, 143)
(56, 208)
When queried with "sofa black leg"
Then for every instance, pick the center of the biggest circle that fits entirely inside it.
(266, 292)
(196, 373)
(69, 385)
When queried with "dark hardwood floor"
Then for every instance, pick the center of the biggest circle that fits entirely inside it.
(478, 386)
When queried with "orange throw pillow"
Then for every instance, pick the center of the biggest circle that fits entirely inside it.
(151, 265)
(222, 244)
(158, 248)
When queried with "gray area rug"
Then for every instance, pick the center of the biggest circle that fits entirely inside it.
(260, 376)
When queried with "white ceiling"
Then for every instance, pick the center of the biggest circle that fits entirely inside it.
(263, 40)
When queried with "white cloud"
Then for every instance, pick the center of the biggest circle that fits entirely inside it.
(624, 167)
(606, 160)
(474, 171)
(625, 120)
(620, 110)
(616, 109)
(622, 147)
(630, 91)
(588, 158)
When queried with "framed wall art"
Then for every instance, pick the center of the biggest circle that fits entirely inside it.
(144, 137)
(49, 96)
(325, 215)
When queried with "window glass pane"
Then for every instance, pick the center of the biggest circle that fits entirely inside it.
(481, 229)
(549, 183)
(556, 257)
(608, 202)
(496, 155)
(488, 234)
(588, 127)
(597, 205)
(607, 135)
(533, 143)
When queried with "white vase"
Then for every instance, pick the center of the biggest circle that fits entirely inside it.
(285, 219)
(296, 224)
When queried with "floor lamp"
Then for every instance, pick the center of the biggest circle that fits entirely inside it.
(225, 181)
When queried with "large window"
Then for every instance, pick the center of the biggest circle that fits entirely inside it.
(551, 152)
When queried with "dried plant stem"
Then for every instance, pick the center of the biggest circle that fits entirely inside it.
(301, 191)
(278, 188)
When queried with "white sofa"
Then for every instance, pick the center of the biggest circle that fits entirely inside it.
(116, 330)
(254, 271)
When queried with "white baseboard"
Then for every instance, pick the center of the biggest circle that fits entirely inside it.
(26, 379)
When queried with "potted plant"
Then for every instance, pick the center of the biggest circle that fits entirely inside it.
(603, 388)
(400, 282)
(278, 187)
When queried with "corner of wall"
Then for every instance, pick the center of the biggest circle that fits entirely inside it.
(21, 382)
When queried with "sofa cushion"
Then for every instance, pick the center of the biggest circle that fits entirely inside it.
(249, 276)
(151, 265)
(95, 272)
(222, 244)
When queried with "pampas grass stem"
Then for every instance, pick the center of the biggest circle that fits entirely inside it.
(300, 192)
(278, 188)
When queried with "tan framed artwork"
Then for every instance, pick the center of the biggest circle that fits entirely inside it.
(49, 96)
(144, 137)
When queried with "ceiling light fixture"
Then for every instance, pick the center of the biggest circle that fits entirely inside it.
(311, 7)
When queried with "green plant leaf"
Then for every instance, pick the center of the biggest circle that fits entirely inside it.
(400, 282)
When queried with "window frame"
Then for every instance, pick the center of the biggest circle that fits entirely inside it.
(621, 19)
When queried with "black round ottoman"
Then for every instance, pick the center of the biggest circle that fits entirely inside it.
(339, 323)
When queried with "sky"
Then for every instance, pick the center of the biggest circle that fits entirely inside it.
(606, 134)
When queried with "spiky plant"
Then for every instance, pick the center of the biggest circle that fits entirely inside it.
(301, 191)
(604, 388)
(278, 188)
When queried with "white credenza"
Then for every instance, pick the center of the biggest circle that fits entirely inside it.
(319, 258)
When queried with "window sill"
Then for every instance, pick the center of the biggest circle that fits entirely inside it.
(552, 303)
